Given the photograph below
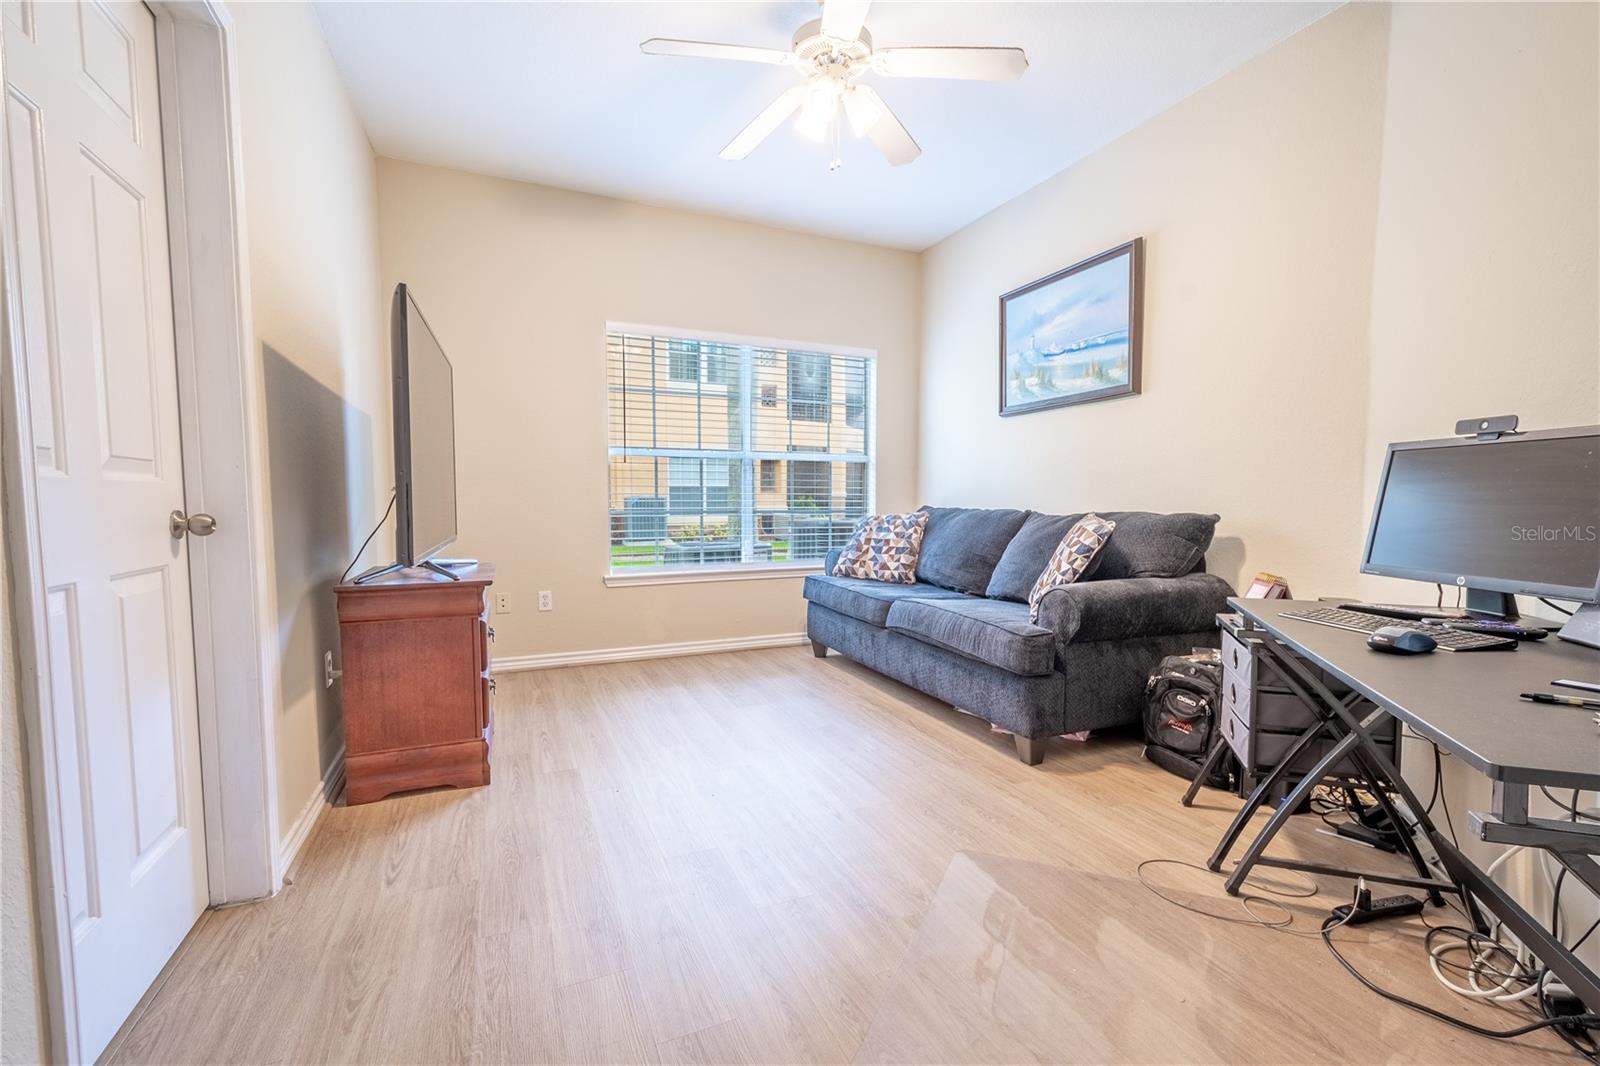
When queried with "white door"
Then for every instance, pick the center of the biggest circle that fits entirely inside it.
(93, 311)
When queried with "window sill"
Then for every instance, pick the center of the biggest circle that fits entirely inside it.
(697, 575)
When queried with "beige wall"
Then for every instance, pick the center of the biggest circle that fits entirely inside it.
(1256, 199)
(518, 281)
(1485, 293)
(1486, 282)
(1384, 224)
(311, 211)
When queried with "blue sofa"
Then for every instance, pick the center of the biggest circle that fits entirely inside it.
(962, 633)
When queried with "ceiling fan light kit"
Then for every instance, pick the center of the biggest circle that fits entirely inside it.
(832, 54)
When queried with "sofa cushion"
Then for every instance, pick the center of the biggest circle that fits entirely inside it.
(962, 545)
(1073, 558)
(1154, 545)
(1028, 553)
(991, 631)
(883, 548)
(868, 601)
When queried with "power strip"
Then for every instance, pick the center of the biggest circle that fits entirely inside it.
(1366, 909)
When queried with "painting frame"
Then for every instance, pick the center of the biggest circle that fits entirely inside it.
(1134, 251)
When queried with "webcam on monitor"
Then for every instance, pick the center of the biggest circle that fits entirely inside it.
(1486, 428)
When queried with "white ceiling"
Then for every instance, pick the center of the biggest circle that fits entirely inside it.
(559, 93)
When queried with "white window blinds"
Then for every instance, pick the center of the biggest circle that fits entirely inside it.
(724, 453)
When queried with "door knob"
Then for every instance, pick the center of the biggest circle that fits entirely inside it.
(201, 524)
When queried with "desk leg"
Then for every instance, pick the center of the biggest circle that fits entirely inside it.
(1408, 833)
(1378, 772)
(1263, 790)
(1285, 811)
(1217, 749)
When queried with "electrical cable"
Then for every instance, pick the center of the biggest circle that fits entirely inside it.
(1438, 780)
(1509, 974)
(1245, 901)
(374, 533)
(1576, 944)
(1249, 919)
(1572, 810)
(1590, 1020)
(1554, 606)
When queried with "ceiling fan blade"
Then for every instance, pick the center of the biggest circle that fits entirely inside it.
(843, 18)
(891, 138)
(762, 125)
(667, 46)
(977, 64)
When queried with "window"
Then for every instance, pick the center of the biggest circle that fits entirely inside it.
(728, 453)
(810, 387)
(697, 487)
(855, 401)
(690, 361)
(683, 361)
(855, 487)
(810, 486)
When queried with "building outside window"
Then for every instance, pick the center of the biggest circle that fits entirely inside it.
(705, 440)
(810, 387)
(690, 361)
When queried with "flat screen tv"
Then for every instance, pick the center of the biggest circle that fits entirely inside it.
(424, 436)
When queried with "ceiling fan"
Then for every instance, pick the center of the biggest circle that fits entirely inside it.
(832, 54)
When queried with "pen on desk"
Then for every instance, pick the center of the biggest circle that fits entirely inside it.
(1569, 701)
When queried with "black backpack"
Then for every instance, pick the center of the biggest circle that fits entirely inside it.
(1180, 717)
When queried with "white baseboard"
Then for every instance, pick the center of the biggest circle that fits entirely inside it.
(316, 806)
(510, 663)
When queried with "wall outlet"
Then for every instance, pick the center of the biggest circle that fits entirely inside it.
(327, 669)
(547, 601)
(502, 603)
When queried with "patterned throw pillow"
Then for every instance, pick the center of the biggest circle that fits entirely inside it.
(1071, 559)
(884, 548)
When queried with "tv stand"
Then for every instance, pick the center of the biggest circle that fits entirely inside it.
(417, 686)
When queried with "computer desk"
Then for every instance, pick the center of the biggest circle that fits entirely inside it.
(1467, 704)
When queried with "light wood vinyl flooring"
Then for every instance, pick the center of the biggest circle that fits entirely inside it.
(731, 858)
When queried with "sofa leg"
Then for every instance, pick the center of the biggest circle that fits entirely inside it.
(819, 649)
(1030, 750)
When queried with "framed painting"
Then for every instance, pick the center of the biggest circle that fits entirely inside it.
(1074, 336)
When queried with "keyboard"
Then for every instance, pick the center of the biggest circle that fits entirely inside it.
(1361, 622)
(1408, 612)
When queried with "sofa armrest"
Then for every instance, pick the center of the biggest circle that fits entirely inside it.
(829, 559)
(1133, 607)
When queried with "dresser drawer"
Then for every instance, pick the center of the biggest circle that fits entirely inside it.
(1237, 733)
(1282, 711)
(409, 683)
(1236, 655)
(1271, 748)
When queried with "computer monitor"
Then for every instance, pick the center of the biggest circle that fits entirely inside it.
(1519, 513)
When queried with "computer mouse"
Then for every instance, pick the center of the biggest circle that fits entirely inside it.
(1401, 640)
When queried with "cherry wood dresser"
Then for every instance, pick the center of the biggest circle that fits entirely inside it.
(417, 686)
